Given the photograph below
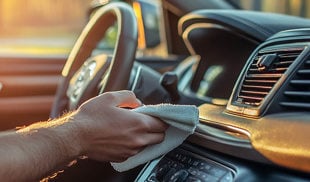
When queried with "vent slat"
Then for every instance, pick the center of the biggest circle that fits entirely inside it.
(251, 98)
(265, 75)
(255, 87)
(260, 81)
(256, 70)
(288, 56)
(297, 93)
(300, 82)
(297, 96)
(299, 105)
(303, 72)
(284, 63)
(290, 49)
(278, 69)
(254, 92)
(266, 69)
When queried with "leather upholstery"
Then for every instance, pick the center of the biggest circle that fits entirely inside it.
(255, 24)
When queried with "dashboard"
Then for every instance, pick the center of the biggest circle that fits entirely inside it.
(258, 132)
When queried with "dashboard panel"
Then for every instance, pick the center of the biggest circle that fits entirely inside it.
(265, 123)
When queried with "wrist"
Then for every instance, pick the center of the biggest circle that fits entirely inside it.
(70, 135)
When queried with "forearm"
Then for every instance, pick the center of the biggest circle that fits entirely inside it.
(30, 153)
(100, 129)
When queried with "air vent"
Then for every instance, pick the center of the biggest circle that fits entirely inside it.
(297, 96)
(266, 69)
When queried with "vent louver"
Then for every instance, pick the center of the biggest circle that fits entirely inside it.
(266, 69)
(298, 94)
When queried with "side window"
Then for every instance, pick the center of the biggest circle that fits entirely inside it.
(58, 22)
(291, 7)
(152, 40)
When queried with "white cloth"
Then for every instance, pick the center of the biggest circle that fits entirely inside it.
(182, 119)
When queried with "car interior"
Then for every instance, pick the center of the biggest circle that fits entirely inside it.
(247, 71)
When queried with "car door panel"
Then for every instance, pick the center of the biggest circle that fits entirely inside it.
(28, 85)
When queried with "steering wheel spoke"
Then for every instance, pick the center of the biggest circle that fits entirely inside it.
(85, 82)
(85, 75)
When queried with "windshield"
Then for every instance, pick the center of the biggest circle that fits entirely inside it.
(290, 7)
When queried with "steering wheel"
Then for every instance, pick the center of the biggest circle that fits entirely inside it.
(85, 74)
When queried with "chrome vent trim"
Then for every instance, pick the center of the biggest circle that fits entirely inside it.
(267, 67)
(297, 97)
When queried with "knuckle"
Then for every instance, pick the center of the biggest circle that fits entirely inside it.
(146, 123)
(129, 92)
(110, 96)
(161, 137)
(138, 143)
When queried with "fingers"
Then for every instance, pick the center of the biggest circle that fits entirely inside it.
(154, 124)
(118, 153)
(154, 138)
(125, 132)
(124, 98)
(139, 143)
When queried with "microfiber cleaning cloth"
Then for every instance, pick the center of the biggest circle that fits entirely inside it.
(182, 120)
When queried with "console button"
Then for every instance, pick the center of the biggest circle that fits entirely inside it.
(193, 179)
(152, 178)
(179, 176)
(193, 171)
(183, 166)
(168, 176)
(217, 172)
(204, 166)
(161, 172)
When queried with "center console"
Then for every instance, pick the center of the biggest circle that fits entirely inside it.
(182, 165)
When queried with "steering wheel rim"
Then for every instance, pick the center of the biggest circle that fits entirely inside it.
(117, 76)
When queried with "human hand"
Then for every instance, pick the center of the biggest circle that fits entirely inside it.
(108, 132)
